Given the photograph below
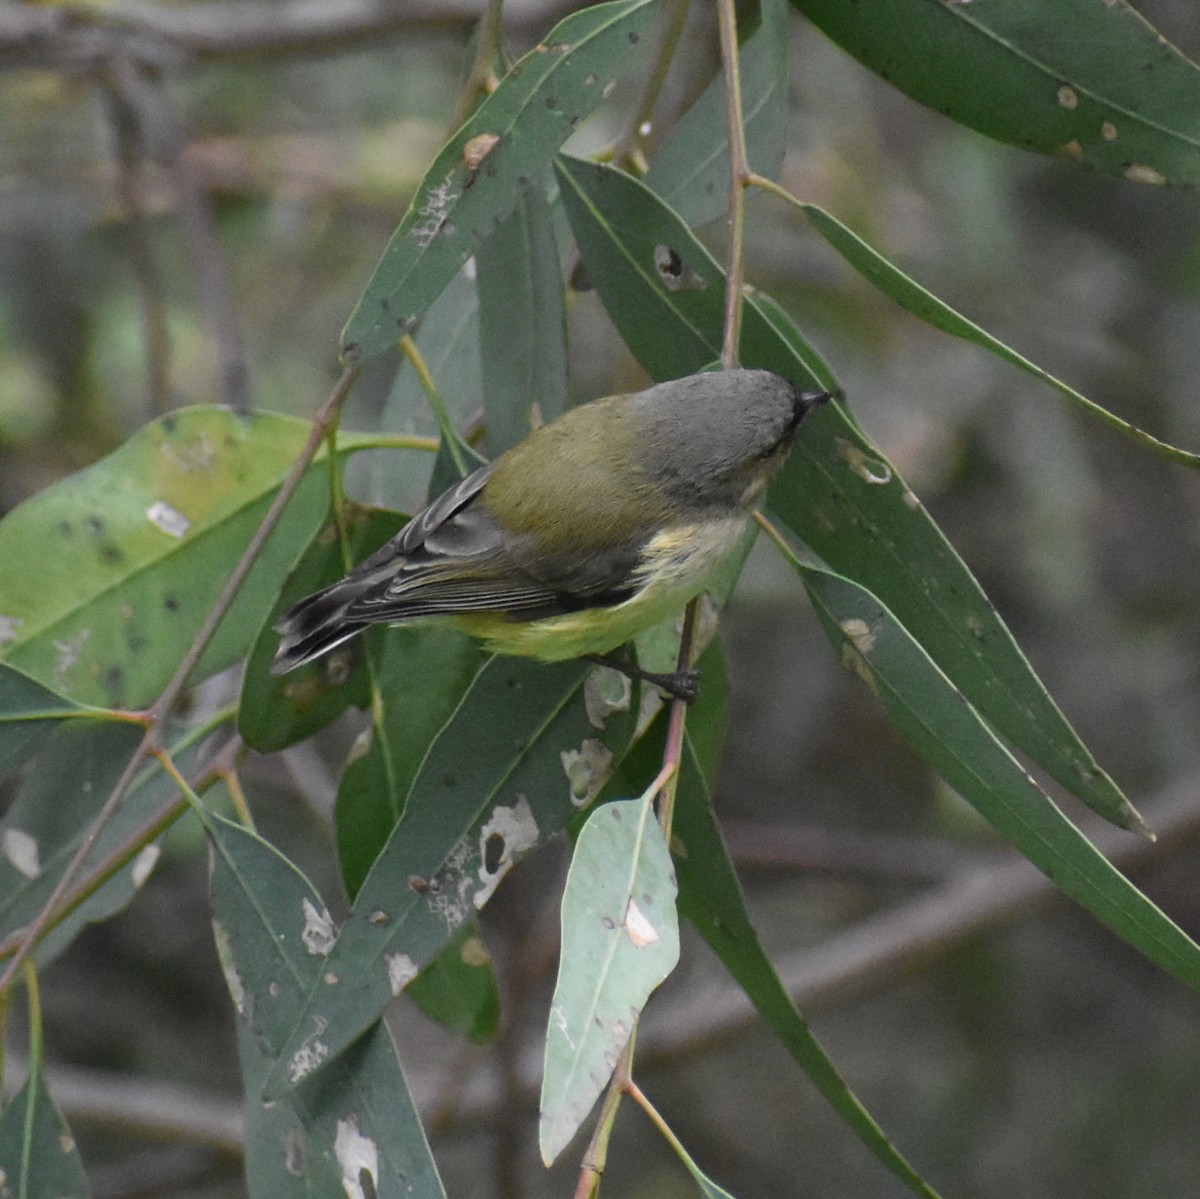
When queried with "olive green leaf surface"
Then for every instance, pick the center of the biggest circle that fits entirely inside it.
(352, 1131)
(1090, 80)
(501, 150)
(529, 745)
(620, 939)
(837, 491)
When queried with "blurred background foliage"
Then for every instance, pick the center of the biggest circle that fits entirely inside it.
(1042, 1057)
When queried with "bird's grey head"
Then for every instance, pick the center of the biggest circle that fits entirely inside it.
(712, 434)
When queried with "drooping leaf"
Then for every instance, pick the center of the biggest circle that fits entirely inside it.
(620, 939)
(522, 324)
(929, 711)
(1090, 81)
(131, 553)
(837, 492)
(690, 172)
(924, 304)
(500, 151)
(354, 1130)
(529, 745)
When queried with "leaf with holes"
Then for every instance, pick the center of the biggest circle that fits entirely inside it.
(355, 1131)
(529, 745)
(1092, 82)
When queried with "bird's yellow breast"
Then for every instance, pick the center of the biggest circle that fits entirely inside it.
(676, 564)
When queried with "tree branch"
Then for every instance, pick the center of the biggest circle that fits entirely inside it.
(158, 37)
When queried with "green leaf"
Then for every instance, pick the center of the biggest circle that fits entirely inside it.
(690, 172)
(476, 181)
(522, 754)
(620, 939)
(929, 711)
(837, 491)
(28, 711)
(912, 296)
(272, 929)
(1091, 81)
(37, 1149)
(110, 573)
(60, 794)
(458, 988)
(522, 324)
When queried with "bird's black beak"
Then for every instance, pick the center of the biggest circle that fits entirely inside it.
(806, 401)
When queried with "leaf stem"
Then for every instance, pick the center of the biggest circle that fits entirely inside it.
(450, 436)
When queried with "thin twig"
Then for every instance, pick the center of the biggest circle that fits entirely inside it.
(739, 174)
(157, 714)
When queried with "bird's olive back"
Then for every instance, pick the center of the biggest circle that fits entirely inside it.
(613, 469)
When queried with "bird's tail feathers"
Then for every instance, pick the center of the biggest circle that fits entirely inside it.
(314, 626)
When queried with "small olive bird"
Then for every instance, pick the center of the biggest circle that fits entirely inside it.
(592, 529)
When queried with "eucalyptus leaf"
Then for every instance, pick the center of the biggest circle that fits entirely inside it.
(929, 711)
(522, 324)
(38, 1155)
(909, 294)
(132, 552)
(28, 711)
(60, 794)
(1091, 82)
